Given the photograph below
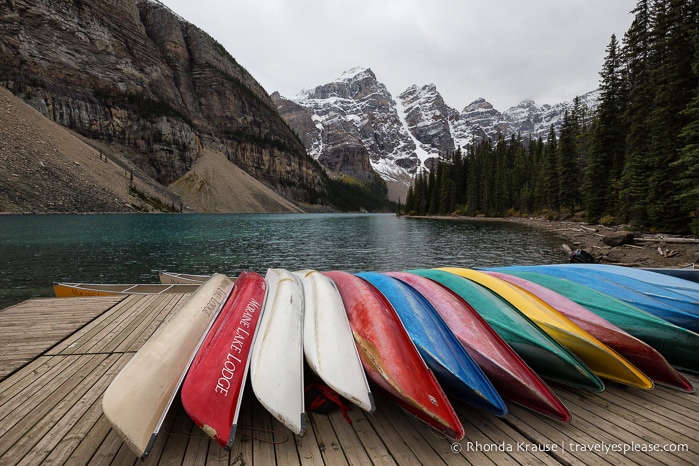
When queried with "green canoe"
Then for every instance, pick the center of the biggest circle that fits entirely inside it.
(545, 356)
(678, 345)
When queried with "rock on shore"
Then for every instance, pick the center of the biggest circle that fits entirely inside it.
(621, 247)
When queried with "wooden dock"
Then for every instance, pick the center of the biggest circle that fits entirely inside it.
(57, 356)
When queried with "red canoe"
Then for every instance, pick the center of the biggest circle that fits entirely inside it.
(646, 358)
(390, 358)
(213, 388)
(510, 375)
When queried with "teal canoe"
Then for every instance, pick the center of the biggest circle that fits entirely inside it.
(678, 345)
(544, 355)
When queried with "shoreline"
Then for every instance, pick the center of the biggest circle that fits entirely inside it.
(646, 250)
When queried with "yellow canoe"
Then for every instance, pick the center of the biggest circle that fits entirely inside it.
(604, 361)
(73, 290)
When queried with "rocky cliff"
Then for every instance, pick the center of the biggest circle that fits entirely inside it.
(356, 124)
(134, 74)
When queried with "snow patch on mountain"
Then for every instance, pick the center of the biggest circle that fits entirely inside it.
(356, 116)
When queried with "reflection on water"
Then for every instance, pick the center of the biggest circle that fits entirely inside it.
(36, 250)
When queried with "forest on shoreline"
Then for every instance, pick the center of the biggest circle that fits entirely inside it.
(634, 161)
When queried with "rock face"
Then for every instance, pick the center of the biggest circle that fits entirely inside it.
(354, 119)
(132, 73)
(428, 118)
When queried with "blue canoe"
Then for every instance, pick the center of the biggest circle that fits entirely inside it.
(673, 283)
(676, 308)
(687, 274)
(454, 368)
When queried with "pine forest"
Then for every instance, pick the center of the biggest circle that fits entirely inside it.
(634, 161)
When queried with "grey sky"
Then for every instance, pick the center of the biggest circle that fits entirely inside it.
(505, 51)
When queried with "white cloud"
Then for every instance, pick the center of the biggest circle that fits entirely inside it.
(503, 50)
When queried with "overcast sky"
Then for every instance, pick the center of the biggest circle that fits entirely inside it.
(505, 51)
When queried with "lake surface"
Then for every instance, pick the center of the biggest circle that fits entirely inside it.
(37, 250)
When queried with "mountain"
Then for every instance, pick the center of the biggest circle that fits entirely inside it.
(354, 123)
(46, 168)
(352, 126)
(147, 85)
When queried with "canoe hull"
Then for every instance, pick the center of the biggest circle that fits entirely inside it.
(276, 364)
(645, 357)
(137, 400)
(328, 343)
(213, 388)
(546, 357)
(603, 361)
(390, 358)
(456, 371)
(677, 345)
(181, 278)
(664, 303)
(510, 375)
(73, 290)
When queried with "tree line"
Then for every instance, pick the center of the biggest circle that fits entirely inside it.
(635, 160)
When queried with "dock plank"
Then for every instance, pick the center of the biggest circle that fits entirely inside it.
(327, 440)
(486, 429)
(625, 434)
(67, 391)
(383, 437)
(50, 408)
(34, 326)
(84, 409)
(349, 441)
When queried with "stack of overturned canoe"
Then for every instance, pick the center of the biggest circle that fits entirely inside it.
(424, 338)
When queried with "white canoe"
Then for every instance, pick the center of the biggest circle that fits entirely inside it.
(137, 400)
(328, 342)
(181, 278)
(276, 364)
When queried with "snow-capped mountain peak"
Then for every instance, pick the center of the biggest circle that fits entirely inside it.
(353, 123)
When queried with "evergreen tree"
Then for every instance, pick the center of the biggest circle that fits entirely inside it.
(674, 86)
(550, 174)
(606, 158)
(687, 165)
(568, 164)
(639, 63)
(410, 204)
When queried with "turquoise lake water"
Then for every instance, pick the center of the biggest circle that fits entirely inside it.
(37, 250)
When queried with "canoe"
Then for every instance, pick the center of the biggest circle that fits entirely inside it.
(390, 358)
(678, 345)
(276, 364)
(640, 354)
(137, 400)
(181, 278)
(689, 274)
(604, 361)
(456, 371)
(669, 282)
(542, 353)
(213, 388)
(509, 374)
(328, 343)
(663, 303)
(72, 290)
